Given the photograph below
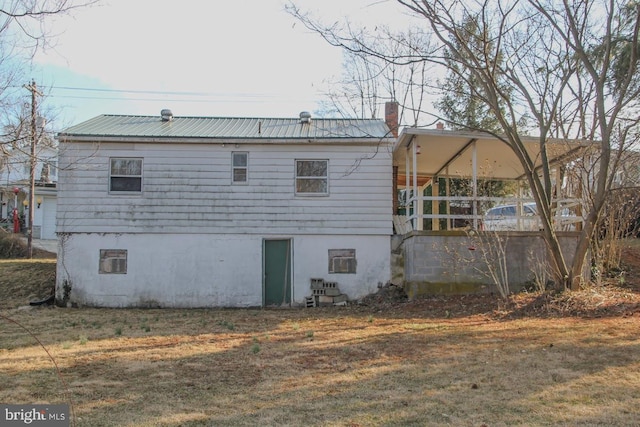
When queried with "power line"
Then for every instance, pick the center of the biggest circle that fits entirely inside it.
(158, 92)
(188, 96)
(106, 98)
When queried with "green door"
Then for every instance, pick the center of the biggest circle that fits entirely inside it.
(277, 272)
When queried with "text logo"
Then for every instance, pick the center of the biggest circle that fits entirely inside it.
(34, 415)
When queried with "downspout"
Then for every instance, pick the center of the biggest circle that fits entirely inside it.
(414, 153)
(395, 190)
(406, 184)
(474, 165)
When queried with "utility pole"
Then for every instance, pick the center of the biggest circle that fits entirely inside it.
(32, 172)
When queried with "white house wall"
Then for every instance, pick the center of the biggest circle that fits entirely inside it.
(311, 260)
(194, 239)
(187, 188)
(176, 270)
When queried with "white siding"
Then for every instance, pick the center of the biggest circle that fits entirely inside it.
(194, 239)
(187, 189)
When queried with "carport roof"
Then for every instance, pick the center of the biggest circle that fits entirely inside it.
(440, 149)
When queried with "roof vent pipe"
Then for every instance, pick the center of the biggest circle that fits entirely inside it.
(166, 115)
(305, 117)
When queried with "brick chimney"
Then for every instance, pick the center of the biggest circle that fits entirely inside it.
(391, 117)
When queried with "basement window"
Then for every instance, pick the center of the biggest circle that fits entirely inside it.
(125, 175)
(342, 261)
(113, 261)
(312, 177)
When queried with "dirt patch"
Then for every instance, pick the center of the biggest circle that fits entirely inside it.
(23, 280)
(618, 295)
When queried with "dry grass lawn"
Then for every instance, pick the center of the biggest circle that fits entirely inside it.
(466, 361)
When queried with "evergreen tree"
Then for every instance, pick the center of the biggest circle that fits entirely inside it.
(462, 104)
(463, 107)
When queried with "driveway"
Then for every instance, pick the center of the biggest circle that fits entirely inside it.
(47, 245)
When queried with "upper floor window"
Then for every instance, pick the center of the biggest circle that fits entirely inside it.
(240, 167)
(53, 167)
(312, 177)
(125, 175)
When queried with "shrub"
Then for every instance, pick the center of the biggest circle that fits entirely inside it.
(12, 246)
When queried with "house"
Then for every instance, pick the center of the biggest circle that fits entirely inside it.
(164, 211)
(15, 170)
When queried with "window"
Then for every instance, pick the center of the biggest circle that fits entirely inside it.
(125, 175)
(53, 168)
(342, 261)
(312, 177)
(113, 261)
(240, 166)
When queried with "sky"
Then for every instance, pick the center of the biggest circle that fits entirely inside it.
(198, 58)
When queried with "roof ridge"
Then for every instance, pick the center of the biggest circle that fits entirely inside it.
(239, 117)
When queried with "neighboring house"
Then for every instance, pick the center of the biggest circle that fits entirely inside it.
(15, 173)
(205, 211)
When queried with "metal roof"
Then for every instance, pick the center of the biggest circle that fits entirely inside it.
(127, 126)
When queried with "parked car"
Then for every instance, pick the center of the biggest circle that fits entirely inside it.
(504, 217)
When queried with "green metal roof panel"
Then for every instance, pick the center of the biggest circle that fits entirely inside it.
(121, 126)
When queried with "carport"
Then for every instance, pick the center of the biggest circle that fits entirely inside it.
(426, 158)
(437, 250)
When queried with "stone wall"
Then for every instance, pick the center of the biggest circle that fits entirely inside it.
(448, 262)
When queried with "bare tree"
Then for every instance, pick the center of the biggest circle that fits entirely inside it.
(24, 21)
(459, 102)
(371, 78)
(357, 92)
(551, 61)
(23, 31)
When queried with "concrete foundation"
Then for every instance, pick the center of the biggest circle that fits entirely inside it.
(459, 263)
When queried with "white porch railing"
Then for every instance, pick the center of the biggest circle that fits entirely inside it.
(472, 214)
